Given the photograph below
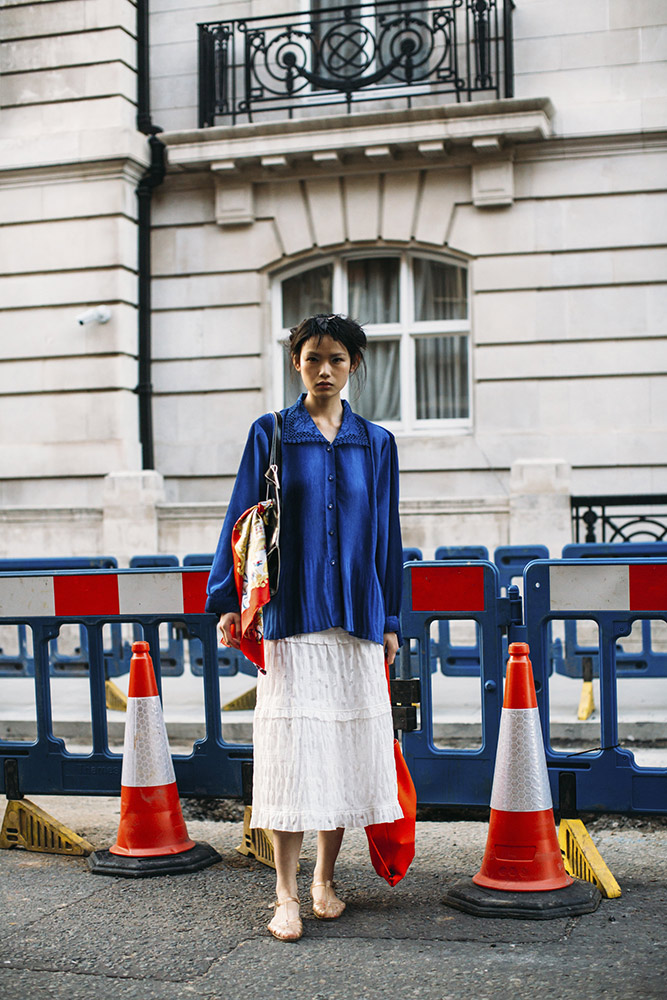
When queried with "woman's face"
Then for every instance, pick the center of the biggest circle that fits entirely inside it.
(325, 366)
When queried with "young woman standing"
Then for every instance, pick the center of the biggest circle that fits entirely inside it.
(323, 738)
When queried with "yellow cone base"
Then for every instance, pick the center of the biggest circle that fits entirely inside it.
(582, 858)
(244, 703)
(586, 702)
(26, 825)
(115, 698)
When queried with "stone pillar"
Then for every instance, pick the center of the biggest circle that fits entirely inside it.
(130, 516)
(540, 503)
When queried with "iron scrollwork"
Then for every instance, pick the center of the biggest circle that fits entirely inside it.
(620, 518)
(353, 53)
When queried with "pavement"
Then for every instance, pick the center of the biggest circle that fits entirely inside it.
(68, 934)
(71, 935)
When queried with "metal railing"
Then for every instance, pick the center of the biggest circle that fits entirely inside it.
(352, 55)
(622, 518)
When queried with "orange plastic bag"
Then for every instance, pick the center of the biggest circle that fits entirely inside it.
(392, 845)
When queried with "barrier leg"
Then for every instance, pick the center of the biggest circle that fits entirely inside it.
(28, 826)
(244, 703)
(115, 698)
(582, 858)
(256, 844)
(586, 702)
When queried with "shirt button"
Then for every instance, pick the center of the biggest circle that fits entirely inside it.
(331, 479)
(328, 447)
(331, 532)
(333, 562)
(330, 506)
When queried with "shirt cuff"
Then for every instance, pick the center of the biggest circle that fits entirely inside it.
(218, 604)
(392, 624)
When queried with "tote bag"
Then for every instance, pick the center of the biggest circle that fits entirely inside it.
(392, 845)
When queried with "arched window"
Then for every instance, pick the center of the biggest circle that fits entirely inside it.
(415, 311)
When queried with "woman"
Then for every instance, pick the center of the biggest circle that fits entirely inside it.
(323, 739)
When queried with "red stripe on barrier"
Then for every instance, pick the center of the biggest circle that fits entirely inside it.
(648, 588)
(194, 592)
(448, 588)
(88, 594)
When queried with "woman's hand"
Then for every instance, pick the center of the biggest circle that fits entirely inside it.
(229, 630)
(390, 646)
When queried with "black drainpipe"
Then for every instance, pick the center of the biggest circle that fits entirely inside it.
(152, 178)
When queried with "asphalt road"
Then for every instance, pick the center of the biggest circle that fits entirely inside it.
(70, 935)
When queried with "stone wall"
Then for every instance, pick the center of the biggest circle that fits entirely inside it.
(556, 201)
(70, 158)
(135, 519)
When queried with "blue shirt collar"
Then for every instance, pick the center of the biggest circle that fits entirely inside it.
(298, 425)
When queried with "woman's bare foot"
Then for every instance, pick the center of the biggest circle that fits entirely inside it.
(326, 904)
(286, 924)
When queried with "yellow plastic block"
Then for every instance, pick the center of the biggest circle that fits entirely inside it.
(582, 858)
(244, 703)
(586, 702)
(116, 699)
(26, 825)
(256, 843)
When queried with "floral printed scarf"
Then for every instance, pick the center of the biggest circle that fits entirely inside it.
(251, 574)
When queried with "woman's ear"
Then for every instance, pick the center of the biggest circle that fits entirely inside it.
(354, 365)
(295, 362)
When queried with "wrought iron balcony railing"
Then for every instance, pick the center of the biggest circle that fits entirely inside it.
(619, 518)
(401, 53)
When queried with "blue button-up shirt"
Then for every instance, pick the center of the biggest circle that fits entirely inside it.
(340, 538)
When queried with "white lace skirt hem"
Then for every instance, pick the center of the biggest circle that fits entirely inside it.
(323, 736)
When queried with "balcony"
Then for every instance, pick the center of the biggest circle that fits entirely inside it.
(359, 57)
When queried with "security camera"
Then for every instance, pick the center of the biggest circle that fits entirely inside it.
(99, 314)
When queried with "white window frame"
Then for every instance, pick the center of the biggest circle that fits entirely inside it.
(406, 330)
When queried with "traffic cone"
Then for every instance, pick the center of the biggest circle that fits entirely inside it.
(522, 872)
(152, 837)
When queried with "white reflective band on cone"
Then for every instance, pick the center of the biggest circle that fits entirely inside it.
(146, 757)
(520, 779)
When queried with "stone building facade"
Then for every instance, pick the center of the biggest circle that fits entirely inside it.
(507, 253)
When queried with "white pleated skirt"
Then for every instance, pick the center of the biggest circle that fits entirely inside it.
(323, 735)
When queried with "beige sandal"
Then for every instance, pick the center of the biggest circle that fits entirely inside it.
(332, 907)
(286, 928)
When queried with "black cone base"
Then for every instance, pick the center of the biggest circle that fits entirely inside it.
(197, 857)
(580, 897)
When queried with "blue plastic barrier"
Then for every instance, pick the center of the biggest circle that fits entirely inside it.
(230, 661)
(454, 591)
(645, 662)
(613, 593)
(511, 560)
(75, 664)
(45, 766)
(199, 559)
(172, 655)
(457, 661)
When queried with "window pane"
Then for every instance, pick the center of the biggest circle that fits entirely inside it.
(381, 395)
(442, 377)
(292, 384)
(306, 294)
(440, 290)
(373, 290)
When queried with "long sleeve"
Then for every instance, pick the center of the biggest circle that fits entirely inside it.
(390, 546)
(249, 488)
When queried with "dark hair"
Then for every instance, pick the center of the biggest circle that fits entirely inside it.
(340, 328)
